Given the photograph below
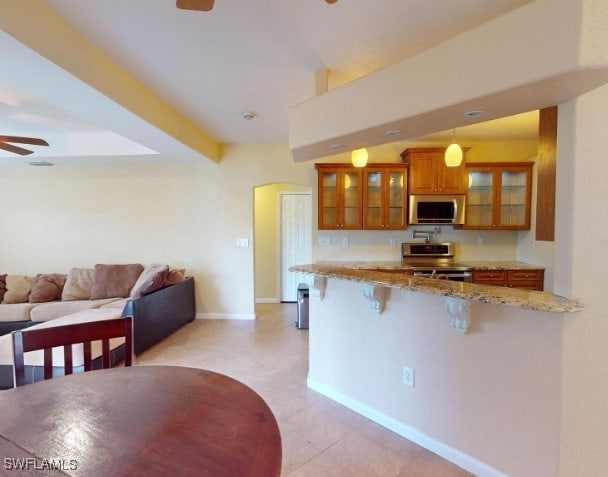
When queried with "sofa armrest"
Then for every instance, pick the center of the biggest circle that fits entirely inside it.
(160, 313)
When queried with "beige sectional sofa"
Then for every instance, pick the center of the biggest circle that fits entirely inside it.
(159, 298)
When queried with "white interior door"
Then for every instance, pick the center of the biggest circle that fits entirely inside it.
(296, 247)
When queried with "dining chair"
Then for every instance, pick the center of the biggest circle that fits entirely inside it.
(66, 335)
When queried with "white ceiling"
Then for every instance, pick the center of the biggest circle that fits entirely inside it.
(244, 55)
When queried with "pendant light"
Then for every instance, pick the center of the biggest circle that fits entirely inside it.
(359, 157)
(453, 154)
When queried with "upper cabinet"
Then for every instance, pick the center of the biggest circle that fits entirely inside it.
(384, 197)
(340, 196)
(373, 197)
(499, 195)
(430, 176)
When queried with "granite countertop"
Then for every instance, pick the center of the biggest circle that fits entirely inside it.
(360, 272)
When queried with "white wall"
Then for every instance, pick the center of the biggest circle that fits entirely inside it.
(487, 400)
(581, 255)
(185, 215)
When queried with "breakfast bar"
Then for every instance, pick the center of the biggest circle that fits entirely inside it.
(430, 358)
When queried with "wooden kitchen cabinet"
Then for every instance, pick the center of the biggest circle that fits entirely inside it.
(525, 279)
(499, 195)
(428, 174)
(385, 197)
(339, 196)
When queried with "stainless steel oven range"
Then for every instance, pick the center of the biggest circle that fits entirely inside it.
(434, 260)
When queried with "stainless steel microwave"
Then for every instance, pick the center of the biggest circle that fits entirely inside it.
(436, 209)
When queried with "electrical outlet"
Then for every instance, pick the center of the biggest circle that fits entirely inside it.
(392, 241)
(481, 240)
(325, 240)
(345, 241)
(408, 376)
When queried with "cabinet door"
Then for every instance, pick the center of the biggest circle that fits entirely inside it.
(339, 197)
(451, 180)
(480, 199)
(423, 173)
(514, 199)
(527, 279)
(396, 199)
(384, 197)
(350, 210)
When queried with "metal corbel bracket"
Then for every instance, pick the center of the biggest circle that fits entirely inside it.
(376, 296)
(460, 313)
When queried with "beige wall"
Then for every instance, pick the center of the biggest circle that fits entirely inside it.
(581, 255)
(487, 400)
(188, 216)
(267, 240)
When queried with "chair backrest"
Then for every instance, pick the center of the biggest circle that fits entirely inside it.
(47, 338)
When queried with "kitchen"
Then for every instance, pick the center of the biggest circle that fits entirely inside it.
(479, 244)
(431, 360)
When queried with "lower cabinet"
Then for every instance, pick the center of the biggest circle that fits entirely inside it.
(525, 279)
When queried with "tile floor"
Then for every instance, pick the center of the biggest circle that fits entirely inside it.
(320, 437)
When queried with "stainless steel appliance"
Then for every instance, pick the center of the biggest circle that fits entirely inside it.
(434, 260)
(436, 209)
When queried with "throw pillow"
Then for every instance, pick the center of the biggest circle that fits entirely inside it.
(78, 284)
(47, 287)
(175, 275)
(2, 286)
(17, 288)
(114, 281)
(150, 280)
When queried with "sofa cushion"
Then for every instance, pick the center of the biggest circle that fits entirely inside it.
(175, 275)
(47, 287)
(2, 286)
(78, 284)
(114, 281)
(17, 288)
(150, 280)
(57, 309)
(16, 311)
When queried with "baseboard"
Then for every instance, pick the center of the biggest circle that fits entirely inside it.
(449, 453)
(267, 300)
(225, 316)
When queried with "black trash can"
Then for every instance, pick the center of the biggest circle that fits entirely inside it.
(302, 322)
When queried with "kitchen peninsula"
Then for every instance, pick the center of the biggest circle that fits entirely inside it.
(470, 372)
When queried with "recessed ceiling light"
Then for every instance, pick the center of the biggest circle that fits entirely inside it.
(336, 146)
(40, 163)
(248, 114)
(393, 132)
(474, 112)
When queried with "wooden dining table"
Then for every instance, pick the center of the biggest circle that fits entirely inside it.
(138, 421)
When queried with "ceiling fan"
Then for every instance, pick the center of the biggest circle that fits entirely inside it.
(5, 140)
(206, 5)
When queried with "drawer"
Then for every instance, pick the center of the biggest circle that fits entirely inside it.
(525, 275)
(490, 276)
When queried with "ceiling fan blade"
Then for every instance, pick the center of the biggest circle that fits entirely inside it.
(24, 140)
(15, 149)
(201, 5)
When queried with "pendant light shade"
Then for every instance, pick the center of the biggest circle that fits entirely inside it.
(359, 157)
(453, 154)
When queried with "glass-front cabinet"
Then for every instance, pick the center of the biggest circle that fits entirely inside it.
(339, 196)
(499, 195)
(385, 197)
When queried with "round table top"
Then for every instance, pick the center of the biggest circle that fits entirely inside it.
(140, 420)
